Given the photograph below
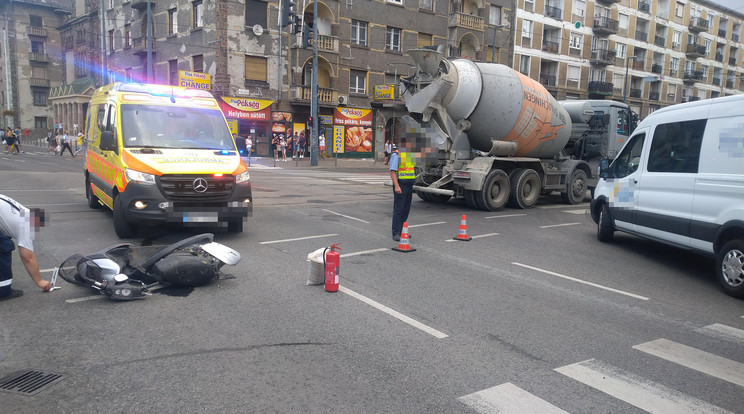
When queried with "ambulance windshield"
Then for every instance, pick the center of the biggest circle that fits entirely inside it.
(153, 126)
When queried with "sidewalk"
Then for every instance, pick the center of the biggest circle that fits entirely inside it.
(332, 164)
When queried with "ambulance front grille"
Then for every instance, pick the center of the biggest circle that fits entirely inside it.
(191, 186)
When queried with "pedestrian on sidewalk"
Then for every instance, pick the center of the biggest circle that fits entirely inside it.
(19, 223)
(388, 151)
(275, 146)
(66, 145)
(322, 145)
(303, 141)
(283, 146)
(295, 145)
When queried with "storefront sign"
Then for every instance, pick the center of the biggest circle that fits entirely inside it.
(325, 119)
(278, 127)
(384, 92)
(233, 124)
(281, 116)
(246, 108)
(195, 80)
(338, 139)
(352, 117)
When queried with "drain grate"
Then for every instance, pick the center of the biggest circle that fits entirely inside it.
(29, 382)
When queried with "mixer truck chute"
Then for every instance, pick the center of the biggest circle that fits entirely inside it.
(493, 136)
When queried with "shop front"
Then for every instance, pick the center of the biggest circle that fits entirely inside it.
(250, 117)
(351, 135)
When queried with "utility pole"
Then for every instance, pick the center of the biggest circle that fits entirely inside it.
(314, 91)
(104, 61)
(149, 42)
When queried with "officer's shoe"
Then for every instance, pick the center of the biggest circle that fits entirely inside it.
(14, 293)
(396, 237)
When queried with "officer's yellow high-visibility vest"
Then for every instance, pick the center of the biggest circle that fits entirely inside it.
(406, 167)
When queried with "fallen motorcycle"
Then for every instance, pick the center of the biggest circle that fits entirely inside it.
(126, 272)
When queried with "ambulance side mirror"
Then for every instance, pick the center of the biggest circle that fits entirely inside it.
(108, 141)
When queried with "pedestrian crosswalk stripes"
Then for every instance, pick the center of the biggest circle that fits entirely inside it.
(508, 399)
(626, 386)
(368, 178)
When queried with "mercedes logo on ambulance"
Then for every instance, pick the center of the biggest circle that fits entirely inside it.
(200, 185)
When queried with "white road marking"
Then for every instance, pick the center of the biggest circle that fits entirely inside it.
(573, 279)
(476, 237)
(640, 392)
(344, 215)
(508, 399)
(85, 298)
(394, 314)
(410, 226)
(559, 225)
(687, 356)
(365, 252)
(298, 238)
(505, 215)
(724, 332)
(577, 212)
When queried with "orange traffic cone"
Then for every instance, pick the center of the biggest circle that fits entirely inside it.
(462, 235)
(404, 246)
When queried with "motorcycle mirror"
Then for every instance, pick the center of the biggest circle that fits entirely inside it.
(121, 277)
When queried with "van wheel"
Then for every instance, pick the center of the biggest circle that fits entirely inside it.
(495, 191)
(730, 268)
(235, 226)
(525, 189)
(605, 231)
(576, 190)
(92, 199)
(123, 228)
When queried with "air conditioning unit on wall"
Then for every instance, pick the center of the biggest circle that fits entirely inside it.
(343, 99)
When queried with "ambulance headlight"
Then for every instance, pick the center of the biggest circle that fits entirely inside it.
(139, 177)
(242, 178)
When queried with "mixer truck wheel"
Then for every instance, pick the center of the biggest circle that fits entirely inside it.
(422, 195)
(576, 190)
(495, 191)
(470, 199)
(525, 188)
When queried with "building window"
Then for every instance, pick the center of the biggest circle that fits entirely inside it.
(395, 1)
(620, 50)
(597, 75)
(579, 8)
(173, 71)
(623, 21)
(359, 32)
(172, 22)
(707, 43)
(573, 74)
(111, 4)
(37, 47)
(524, 65)
(198, 13)
(676, 38)
(111, 40)
(255, 13)
(529, 5)
(357, 82)
(494, 15)
(40, 122)
(255, 68)
(577, 39)
(127, 35)
(40, 97)
(527, 29)
(35, 21)
(679, 9)
(427, 5)
(673, 65)
(392, 40)
(424, 40)
(198, 63)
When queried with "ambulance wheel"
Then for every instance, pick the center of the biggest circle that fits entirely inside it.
(495, 191)
(235, 226)
(92, 199)
(123, 228)
(729, 266)
(576, 190)
(525, 189)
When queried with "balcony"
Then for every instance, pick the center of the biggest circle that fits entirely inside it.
(732, 61)
(605, 26)
(635, 93)
(641, 35)
(673, 73)
(303, 94)
(639, 64)
(467, 21)
(550, 44)
(659, 40)
(600, 88)
(698, 24)
(39, 82)
(719, 56)
(139, 45)
(603, 57)
(695, 51)
(654, 96)
(608, 1)
(554, 12)
(644, 7)
(692, 76)
(38, 57)
(142, 4)
(36, 31)
(326, 43)
(549, 80)
(657, 68)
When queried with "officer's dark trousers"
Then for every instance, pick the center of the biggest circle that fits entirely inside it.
(402, 204)
(6, 264)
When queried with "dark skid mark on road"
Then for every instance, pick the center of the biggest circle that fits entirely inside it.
(214, 351)
(320, 201)
(515, 348)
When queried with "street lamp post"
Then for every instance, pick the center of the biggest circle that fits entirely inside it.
(625, 82)
(495, 30)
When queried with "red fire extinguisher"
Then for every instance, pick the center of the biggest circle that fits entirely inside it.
(332, 261)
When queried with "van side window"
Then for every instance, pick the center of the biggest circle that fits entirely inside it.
(629, 158)
(676, 147)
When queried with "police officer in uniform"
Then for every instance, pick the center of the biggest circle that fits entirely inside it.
(19, 223)
(403, 175)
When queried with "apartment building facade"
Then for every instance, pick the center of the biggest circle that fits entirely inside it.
(649, 53)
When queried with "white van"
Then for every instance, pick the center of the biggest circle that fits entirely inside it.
(680, 180)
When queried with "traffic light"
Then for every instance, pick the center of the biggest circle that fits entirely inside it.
(310, 123)
(306, 36)
(288, 14)
(297, 26)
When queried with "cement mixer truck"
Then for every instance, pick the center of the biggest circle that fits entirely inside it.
(491, 135)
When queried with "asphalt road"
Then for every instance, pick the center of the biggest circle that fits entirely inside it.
(532, 315)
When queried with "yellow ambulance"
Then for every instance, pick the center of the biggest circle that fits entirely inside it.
(160, 154)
